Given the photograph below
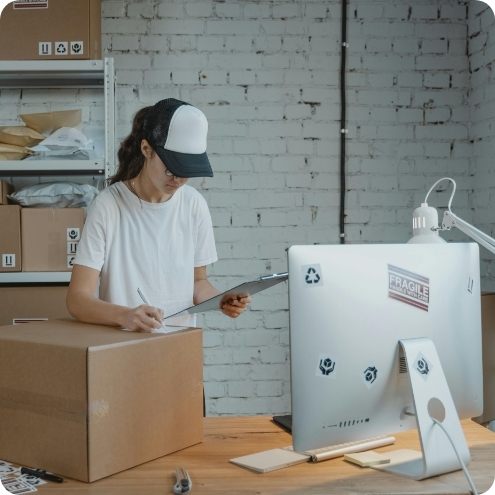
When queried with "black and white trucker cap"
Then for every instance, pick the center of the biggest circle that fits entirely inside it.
(177, 133)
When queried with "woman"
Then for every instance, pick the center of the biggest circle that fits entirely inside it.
(150, 230)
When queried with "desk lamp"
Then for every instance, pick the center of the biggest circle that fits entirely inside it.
(425, 231)
(425, 224)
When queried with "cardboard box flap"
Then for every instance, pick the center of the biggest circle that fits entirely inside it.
(72, 334)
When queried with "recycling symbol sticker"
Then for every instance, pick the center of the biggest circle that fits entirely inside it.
(312, 276)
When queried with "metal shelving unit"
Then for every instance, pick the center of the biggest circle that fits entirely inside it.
(34, 277)
(57, 74)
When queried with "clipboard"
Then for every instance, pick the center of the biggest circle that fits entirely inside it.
(252, 287)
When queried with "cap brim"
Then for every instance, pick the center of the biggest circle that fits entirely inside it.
(185, 164)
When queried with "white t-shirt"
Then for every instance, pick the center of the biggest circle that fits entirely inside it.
(153, 246)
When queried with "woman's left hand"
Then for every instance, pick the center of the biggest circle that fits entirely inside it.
(233, 305)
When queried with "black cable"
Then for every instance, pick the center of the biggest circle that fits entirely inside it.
(343, 128)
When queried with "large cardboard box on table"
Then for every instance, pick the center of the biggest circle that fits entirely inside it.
(49, 238)
(87, 401)
(32, 302)
(10, 238)
(488, 343)
(51, 30)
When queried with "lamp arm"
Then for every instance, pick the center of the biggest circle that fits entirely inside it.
(450, 220)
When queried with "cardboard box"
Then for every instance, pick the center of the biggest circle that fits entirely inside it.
(49, 238)
(51, 30)
(10, 238)
(488, 342)
(87, 401)
(4, 190)
(36, 302)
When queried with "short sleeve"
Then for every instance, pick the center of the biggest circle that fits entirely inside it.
(91, 249)
(205, 251)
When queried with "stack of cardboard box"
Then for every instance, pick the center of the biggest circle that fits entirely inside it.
(36, 240)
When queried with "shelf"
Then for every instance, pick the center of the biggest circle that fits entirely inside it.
(34, 277)
(52, 74)
(52, 167)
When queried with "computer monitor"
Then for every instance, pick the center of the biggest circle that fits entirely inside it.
(349, 307)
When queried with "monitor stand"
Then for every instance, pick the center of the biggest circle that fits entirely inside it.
(431, 398)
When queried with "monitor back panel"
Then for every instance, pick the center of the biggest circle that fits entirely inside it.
(349, 307)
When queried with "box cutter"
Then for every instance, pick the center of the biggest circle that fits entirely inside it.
(184, 483)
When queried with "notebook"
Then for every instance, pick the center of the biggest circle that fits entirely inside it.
(270, 460)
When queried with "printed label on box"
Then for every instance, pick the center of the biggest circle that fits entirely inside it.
(72, 247)
(70, 261)
(30, 4)
(73, 234)
(76, 47)
(45, 48)
(8, 260)
(61, 47)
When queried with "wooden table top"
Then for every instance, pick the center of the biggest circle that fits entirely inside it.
(229, 437)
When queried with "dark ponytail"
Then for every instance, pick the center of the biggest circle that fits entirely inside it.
(131, 158)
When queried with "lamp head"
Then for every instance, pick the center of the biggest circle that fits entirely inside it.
(425, 218)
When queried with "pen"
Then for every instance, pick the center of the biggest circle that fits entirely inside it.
(143, 297)
(39, 473)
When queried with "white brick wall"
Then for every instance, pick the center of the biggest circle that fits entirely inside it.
(482, 117)
(266, 74)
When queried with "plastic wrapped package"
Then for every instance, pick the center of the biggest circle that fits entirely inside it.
(55, 195)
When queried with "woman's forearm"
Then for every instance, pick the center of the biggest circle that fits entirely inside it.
(90, 309)
(203, 290)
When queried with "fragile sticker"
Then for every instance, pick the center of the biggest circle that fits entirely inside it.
(408, 287)
(70, 261)
(76, 47)
(73, 234)
(327, 366)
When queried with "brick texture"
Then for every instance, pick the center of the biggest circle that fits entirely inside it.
(421, 104)
(482, 119)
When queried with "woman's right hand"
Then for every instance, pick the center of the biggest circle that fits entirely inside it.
(144, 318)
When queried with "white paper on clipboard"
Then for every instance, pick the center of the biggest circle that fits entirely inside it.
(252, 287)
